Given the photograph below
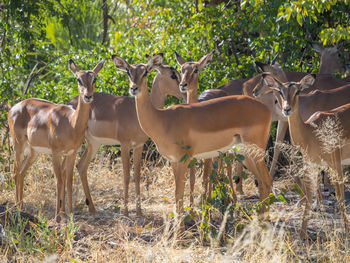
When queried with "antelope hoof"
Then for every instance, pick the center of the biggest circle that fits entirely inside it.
(61, 218)
(92, 210)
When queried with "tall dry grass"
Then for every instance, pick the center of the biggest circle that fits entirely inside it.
(110, 237)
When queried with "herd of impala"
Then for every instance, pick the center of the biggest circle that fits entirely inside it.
(240, 112)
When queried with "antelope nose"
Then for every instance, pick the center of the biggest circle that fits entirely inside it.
(183, 87)
(88, 99)
(287, 112)
(134, 90)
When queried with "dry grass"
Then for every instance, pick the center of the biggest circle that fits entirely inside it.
(110, 237)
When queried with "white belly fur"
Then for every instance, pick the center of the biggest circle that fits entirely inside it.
(42, 150)
(345, 161)
(101, 140)
(214, 153)
(108, 141)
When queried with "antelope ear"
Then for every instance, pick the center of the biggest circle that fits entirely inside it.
(339, 46)
(120, 63)
(262, 66)
(155, 61)
(179, 59)
(99, 66)
(307, 81)
(274, 59)
(317, 48)
(270, 81)
(205, 60)
(72, 66)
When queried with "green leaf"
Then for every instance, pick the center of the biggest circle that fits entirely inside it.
(272, 199)
(14, 240)
(282, 198)
(240, 157)
(184, 158)
(244, 175)
(289, 13)
(297, 189)
(192, 163)
(300, 19)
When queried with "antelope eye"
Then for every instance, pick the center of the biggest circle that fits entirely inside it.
(195, 70)
(144, 74)
(94, 80)
(173, 76)
(80, 82)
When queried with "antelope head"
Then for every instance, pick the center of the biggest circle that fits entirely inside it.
(286, 93)
(138, 72)
(190, 71)
(331, 59)
(276, 70)
(167, 80)
(86, 80)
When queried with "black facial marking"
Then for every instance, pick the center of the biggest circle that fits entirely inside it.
(145, 74)
(256, 183)
(173, 75)
(87, 201)
(237, 180)
(80, 82)
(281, 93)
(195, 70)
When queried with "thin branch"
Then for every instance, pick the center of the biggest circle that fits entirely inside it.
(111, 18)
(2, 44)
(32, 75)
(69, 30)
(237, 60)
(105, 21)
(30, 78)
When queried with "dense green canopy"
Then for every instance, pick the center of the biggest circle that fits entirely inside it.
(38, 37)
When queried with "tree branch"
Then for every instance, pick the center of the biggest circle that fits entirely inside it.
(2, 44)
(105, 21)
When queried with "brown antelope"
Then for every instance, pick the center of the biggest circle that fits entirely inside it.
(189, 86)
(39, 126)
(330, 63)
(113, 120)
(330, 59)
(200, 130)
(302, 134)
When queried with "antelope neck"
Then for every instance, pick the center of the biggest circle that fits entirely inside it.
(80, 117)
(148, 116)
